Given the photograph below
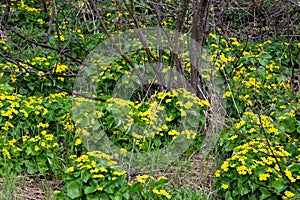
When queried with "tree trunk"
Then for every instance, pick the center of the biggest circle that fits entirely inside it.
(196, 46)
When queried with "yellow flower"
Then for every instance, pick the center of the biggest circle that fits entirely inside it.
(92, 121)
(61, 67)
(119, 173)
(218, 173)
(25, 138)
(142, 179)
(227, 94)
(249, 103)
(41, 125)
(224, 186)
(62, 38)
(168, 119)
(24, 112)
(252, 130)
(188, 105)
(173, 132)
(236, 43)
(164, 127)
(72, 156)
(41, 59)
(44, 132)
(70, 169)
(96, 170)
(98, 176)
(77, 142)
(264, 177)
(168, 100)
(213, 36)
(161, 178)
(123, 151)
(45, 112)
(183, 113)
(103, 169)
(240, 124)
(85, 132)
(155, 191)
(225, 165)
(243, 170)
(2, 41)
(100, 188)
(36, 148)
(233, 137)
(6, 153)
(130, 183)
(43, 144)
(282, 117)
(162, 192)
(56, 192)
(289, 175)
(7, 125)
(40, 21)
(289, 194)
(93, 163)
(49, 137)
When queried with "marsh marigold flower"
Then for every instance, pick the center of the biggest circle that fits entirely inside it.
(142, 179)
(264, 177)
(6, 152)
(162, 192)
(70, 169)
(218, 173)
(56, 192)
(77, 142)
(289, 194)
(224, 186)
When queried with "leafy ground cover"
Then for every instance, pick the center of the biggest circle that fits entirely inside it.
(49, 134)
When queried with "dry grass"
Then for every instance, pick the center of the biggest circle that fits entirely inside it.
(26, 188)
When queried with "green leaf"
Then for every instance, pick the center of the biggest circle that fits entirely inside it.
(6, 87)
(93, 197)
(298, 129)
(253, 186)
(31, 168)
(74, 189)
(85, 175)
(126, 195)
(157, 142)
(265, 193)
(260, 170)
(228, 196)
(102, 196)
(29, 151)
(109, 190)
(117, 196)
(295, 167)
(89, 190)
(31, 85)
(288, 125)
(243, 189)
(134, 188)
(93, 188)
(280, 185)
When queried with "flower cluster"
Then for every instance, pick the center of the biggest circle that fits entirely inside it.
(261, 145)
